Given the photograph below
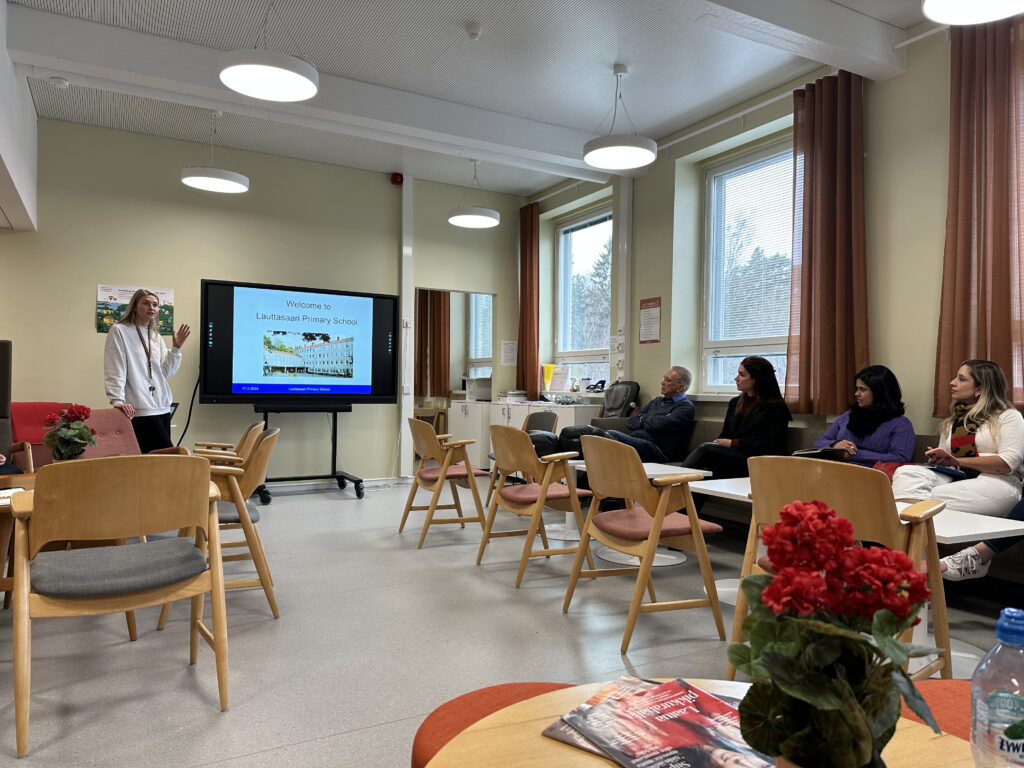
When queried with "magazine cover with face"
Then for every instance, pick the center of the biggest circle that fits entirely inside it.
(673, 725)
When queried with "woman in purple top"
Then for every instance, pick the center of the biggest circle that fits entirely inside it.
(874, 429)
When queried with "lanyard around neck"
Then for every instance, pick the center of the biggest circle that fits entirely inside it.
(149, 352)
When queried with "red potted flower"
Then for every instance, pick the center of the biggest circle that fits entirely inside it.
(68, 435)
(824, 654)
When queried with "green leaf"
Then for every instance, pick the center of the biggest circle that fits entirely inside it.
(768, 717)
(753, 585)
(892, 648)
(826, 628)
(740, 657)
(914, 699)
(822, 653)
(781, 636)
(795, 679)
(885, 623)
(881, 705)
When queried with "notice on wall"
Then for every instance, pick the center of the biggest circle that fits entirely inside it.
(112, 301)
(509, 353)
(650, 320)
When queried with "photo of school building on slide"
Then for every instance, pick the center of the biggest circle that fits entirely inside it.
(329, 357)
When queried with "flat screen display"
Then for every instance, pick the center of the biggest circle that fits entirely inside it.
(296, 348)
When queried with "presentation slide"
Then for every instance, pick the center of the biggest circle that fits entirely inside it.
(292, 342)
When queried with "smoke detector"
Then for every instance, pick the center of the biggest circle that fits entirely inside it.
(472, 30)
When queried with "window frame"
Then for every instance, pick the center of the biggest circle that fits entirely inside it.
(562, 270)
(753, 345)
(477, 362)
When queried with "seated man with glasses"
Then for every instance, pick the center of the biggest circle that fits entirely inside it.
(660, 431)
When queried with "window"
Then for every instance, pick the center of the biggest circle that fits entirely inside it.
(748, 238)
(583, 304)
(479, 335)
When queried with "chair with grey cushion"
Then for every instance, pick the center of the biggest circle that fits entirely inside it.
(111, 499)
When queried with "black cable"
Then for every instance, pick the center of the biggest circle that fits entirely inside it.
(191, 405)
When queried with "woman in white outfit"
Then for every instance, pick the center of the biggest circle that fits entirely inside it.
(983, 436)
(136, 366)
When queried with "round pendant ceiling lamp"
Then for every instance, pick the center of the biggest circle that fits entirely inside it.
(474, 216)
(214, 179)
(269, 75)
(620, 151)
(211, 178)
(965, 12)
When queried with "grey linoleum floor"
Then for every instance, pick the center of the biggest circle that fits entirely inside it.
(373, 635)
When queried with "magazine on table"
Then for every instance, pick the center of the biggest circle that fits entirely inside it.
(562, 731)
(672, 725)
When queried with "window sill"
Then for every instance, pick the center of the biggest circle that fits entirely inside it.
(708, 397)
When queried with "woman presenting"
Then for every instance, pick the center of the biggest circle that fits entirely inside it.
(755, 423)
(874, 428)
(136, 366)
(983, 436)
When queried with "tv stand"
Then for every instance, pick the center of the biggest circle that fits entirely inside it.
(342, 477)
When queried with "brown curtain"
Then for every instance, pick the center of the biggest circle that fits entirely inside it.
(432, 351)
(528, 361)
(440, 344)
(828, 315)
(981, 313)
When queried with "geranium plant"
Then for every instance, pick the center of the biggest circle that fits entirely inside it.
(69, 435)
(824, 654)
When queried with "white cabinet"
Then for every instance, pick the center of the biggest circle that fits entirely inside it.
(470, 420)
(514, 414)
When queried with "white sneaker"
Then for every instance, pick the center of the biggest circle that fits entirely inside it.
(965, 564)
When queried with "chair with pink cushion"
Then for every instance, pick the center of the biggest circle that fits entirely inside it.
(453, 467)
(648, 518)
(548, 482)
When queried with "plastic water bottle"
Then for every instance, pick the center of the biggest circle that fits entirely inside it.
(997, 697)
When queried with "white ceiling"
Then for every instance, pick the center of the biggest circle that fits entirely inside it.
(403, 88)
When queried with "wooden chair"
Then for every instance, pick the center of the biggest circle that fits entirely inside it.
(535, 421)
(615, 470)
(236, 484)
(116, 498)
(864, 497)
(513, 453)
(245, 443)
(453, 467)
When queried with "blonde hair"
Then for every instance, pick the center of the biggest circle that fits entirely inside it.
(133, 308)
(989, 379)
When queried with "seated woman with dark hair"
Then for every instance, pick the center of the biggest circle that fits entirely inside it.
(874, 428)
(755, 423)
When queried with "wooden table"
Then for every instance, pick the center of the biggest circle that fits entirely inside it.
(951, 527)
(511, 737)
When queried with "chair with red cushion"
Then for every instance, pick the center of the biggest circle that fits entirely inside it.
(453, 467)
(27, 450)
(454, 716)
(514, 453)
(614, 470)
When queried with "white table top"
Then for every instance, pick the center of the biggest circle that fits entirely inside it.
(951, 527)
(652, 469)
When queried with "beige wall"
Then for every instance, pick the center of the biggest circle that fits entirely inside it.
(111, 210)
(906, 133)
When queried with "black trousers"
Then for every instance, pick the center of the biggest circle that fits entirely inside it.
(721, 460)
(9, 469)
(153, 432)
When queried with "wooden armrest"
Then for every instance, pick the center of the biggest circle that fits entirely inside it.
(225, 446)
(21, 504)
(920, 511)
(174, 450)
(689, 477)
(219, 469)
(457, 443)
(225, 460)
(214, 496)
(563, 456)
(444, 436)
(208, 452)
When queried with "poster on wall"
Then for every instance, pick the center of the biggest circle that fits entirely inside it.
(112, 301)
(650, 320)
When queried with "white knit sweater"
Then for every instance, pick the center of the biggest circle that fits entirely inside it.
(126, 374)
